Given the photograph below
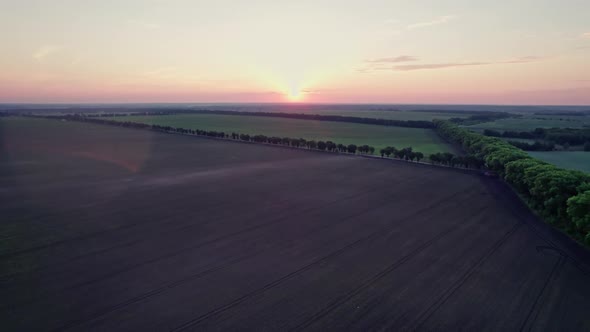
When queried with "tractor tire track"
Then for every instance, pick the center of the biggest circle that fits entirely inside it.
(552, 276)
(335, 304)
(187, 279)
(161, 222)
(210, 242)
(333, 254)
(456, 285)
(102, 232)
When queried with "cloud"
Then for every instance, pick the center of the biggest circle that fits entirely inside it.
(524, 59)
(436, 21)
(45, 51)
(438, 65)
(401, 58)
(309, 91)
(585, 35)
(382, 63)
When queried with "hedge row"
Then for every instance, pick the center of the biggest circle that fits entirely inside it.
(561, 197)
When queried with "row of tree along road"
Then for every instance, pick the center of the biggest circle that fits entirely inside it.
(406, 153)
(561, 197)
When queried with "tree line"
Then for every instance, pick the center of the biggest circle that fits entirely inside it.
(537, 146)
(561, 196)
(285, 141)
(274, 140)
(405, 153)
(481, 117)
(551, 136)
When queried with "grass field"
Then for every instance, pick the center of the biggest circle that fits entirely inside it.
(423, 140)
(121, 229)
(530, 122)
(578, 160)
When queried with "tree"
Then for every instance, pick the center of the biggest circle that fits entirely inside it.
(435, 158)
(587, 146)
(552, 189)
(382, 151)
(371, 150)
(363, 148)
(419, 156)
(578, 209)
(474, 161)
(515, 173)
(389, 150)
(490, 132)
(351, 148)
(322, 145)
(566, 146)
(447, 158)
(330, 146)
(456, 160)
(404, 153)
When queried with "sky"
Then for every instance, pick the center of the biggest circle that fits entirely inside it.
(423, 51)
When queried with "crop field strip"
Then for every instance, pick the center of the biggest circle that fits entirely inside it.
(576, 160)
(407, 243)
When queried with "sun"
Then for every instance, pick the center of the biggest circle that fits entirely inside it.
(294, 95)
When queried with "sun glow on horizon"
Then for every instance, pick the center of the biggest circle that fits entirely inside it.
(295, 96)
(294, 93)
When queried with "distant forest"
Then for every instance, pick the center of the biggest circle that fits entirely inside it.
(551, 136)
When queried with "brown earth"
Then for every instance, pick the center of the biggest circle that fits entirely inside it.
(107, 228)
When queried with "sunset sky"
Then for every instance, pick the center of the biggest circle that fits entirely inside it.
(469, 52)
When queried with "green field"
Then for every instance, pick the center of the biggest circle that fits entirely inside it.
(530, 122)
(578, 160)
(423, 140)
